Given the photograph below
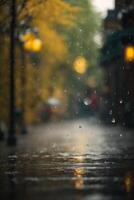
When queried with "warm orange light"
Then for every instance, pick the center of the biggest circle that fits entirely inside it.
(79, 181)
(37, 45)
(129, 53)
(28, 36)
(28, 45)
(31, 42)
(80, 65)
(129, 183)
(34, 45)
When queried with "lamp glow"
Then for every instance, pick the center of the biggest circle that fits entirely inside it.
(129, 53)
(34, 45)
(37, 45)
(80, 65)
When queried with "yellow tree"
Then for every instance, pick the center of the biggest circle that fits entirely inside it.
(47, 16)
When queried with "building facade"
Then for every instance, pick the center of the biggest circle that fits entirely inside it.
(119, 34)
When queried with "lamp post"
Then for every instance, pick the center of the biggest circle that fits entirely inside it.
(23, 127)
(11, 140)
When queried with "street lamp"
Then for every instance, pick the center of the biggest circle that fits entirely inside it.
(80, 65)
(30, 43)
(129, 53)
(34, 45)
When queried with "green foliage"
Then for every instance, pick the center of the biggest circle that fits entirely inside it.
(81, 42)
(81, 37)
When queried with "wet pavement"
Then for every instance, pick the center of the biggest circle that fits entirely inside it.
(71, 160)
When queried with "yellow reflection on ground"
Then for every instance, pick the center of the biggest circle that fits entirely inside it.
(80, 142)
(79, 173)
(79, 181)
(78, 158)
(129, 183)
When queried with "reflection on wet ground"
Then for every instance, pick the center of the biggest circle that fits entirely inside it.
(78, 160)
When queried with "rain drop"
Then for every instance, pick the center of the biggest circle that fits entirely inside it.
(121, 101)
(113, 121)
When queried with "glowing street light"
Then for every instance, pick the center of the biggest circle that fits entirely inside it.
(31, 42)
(34, 45)
(80, 65)
(129, 53)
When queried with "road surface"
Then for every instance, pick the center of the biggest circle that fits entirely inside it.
(70, 160)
